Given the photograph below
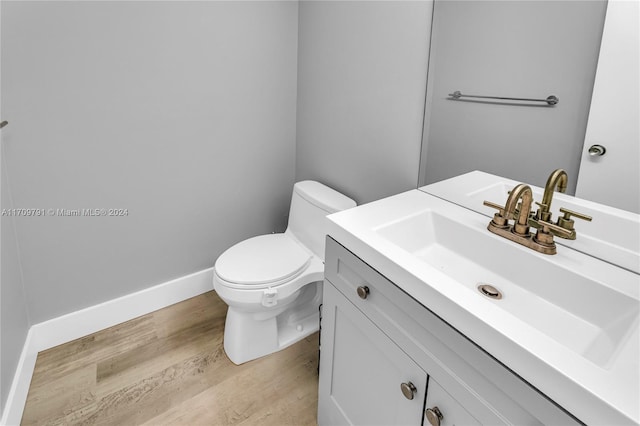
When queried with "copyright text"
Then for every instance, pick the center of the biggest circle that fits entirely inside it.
(100, 212)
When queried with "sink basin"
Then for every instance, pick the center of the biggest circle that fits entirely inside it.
(613, 235)
(561, 302)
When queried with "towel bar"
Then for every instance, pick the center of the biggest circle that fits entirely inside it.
(551, 100)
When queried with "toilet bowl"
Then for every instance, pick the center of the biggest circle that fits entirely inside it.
(273, 283)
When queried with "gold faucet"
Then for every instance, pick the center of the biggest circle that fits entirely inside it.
(542, 241)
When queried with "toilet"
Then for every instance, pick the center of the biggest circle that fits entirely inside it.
(273, 283)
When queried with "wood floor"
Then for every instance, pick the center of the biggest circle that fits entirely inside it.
(169, 368)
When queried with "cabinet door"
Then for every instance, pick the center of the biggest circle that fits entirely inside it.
(444, 410)
(362, 370)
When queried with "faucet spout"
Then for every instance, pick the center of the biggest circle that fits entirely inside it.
(520, 192)
(558, 179)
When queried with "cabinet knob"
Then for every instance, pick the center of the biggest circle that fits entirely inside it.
(408, 390)
(363, 291)
(434, 416)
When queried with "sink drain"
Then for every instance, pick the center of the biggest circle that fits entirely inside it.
(490, 291)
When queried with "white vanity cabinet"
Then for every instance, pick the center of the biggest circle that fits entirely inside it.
(387, 360)
(367, 371)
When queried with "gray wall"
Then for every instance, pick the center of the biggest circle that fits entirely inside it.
(181, 112)
(528, 49)
(14, 322)
(361, 84)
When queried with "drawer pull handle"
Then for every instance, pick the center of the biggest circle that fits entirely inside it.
(363, 291)
(408, 390)
(434, 416)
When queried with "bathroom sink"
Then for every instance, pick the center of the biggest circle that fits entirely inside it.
(613, 235)
(569, 323)
(558, 300)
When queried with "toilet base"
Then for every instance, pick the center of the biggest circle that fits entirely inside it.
(249, 335)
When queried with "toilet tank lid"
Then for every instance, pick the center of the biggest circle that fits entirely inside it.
(322, 196)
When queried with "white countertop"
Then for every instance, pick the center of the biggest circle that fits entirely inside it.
(595, 394)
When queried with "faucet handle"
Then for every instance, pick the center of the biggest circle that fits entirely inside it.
(498, 207)
(544, 236)
(568, 213)
(551, 228)
(567, 223)
(499, 219)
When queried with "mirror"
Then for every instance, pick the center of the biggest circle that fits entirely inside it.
(521, 141)
(525, 49)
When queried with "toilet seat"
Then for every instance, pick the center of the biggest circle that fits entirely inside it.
(274, 259)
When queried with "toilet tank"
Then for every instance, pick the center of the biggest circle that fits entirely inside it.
(311, 202)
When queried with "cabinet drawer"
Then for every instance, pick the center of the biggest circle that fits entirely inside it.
(487, 389)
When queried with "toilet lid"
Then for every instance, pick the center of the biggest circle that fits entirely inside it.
(262, 261)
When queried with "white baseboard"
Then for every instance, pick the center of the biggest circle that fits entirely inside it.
(17, 397)
(66, 328)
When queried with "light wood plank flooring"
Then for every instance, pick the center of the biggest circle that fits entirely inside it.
(169, 368)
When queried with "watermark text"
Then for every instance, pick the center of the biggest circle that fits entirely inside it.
(61, 212)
